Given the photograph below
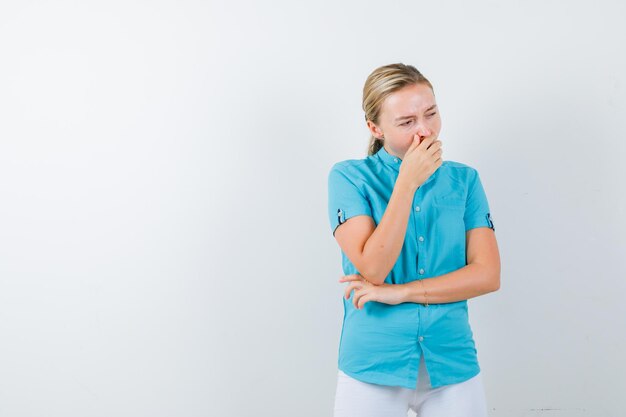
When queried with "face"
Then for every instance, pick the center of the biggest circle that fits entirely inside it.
(409, 111)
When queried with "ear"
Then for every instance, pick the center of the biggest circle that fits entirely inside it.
(376, 132)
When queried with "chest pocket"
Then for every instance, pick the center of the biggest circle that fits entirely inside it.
(448, 215)
(454, 203)
(449, 228)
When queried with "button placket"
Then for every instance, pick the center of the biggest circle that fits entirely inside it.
(417, 224)
(419, 229)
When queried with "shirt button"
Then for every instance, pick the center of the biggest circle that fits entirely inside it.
(421, 338)
(421, 238)
(395, 159)
(417, 208)
(422, 271)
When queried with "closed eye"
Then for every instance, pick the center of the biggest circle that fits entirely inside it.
(411, 121)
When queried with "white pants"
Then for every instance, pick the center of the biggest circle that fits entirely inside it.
(355, 398)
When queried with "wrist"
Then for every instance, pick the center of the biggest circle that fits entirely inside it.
(406, 293)
(405, 185)
(414, 292)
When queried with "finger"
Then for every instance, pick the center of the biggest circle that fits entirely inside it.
(362, 300)
(346, 292)
(351, 277)
(436, 147)
(436, 152)
(355, 300)
(427, 142)
(357, 296)
(349, 289)
(415, 143)
(431, 141)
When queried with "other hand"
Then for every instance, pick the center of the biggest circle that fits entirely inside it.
(365, 291)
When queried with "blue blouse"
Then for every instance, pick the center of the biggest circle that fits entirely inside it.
(382, 343)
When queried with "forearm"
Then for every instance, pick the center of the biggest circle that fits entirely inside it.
(470, 281)
(384, 245)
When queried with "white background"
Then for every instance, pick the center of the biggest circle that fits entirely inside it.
(165, 248)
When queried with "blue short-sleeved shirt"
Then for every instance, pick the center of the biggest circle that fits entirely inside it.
(383, 343)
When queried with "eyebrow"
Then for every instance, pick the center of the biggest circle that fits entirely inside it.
(409, 117)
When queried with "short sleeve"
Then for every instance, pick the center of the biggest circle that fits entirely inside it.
(477, 213)
(345, 199)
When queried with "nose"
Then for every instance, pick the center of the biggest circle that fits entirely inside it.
(423, 131)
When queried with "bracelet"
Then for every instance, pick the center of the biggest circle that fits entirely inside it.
(425, 294)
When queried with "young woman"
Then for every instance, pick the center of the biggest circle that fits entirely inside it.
(417, 241)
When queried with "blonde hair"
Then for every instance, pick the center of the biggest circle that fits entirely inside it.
(379, 85)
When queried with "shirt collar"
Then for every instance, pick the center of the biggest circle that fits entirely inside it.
(388, 159)
(394, 162)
